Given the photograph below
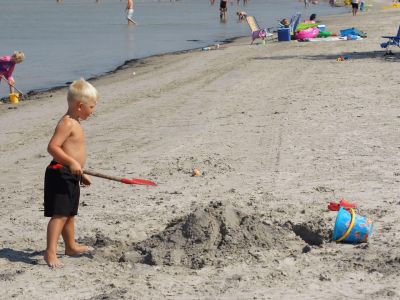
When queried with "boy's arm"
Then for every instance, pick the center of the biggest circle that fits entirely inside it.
(61, 133)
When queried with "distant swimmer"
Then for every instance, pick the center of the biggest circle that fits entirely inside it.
(129, 12)
(241, 15)
(223, 9)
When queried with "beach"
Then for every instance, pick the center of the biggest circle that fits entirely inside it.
(277, 132)
(66, 39)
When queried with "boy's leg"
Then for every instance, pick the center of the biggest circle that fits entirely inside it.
(68, 234)
(54, 229)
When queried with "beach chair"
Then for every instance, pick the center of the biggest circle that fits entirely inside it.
(392, 41)
(256, 31)
(294, 22)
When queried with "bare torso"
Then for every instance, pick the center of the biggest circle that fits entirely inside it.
(68, 142)
(129, 4)
(74, 145)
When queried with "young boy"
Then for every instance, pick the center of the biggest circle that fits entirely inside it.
(63, 175)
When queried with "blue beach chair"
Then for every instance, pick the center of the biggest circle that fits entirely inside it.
(392, 41)
(294, 22)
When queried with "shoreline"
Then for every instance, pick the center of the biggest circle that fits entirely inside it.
(130, 62)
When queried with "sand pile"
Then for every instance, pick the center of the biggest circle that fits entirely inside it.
(215, 235)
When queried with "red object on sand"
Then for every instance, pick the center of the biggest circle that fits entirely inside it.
(333, 206)
(137, 181)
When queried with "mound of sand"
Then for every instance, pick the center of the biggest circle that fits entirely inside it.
(215, 235)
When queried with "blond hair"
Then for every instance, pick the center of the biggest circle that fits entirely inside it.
(81, 90)
(18, 56)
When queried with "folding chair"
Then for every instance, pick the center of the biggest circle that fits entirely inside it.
(256, 31)
(294, 22)
(392, 41)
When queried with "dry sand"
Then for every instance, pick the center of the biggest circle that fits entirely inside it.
(277, 132)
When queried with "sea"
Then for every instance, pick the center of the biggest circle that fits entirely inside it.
(68, 39)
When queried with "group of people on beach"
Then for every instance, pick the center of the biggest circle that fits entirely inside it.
(223, 9)
(65, 173)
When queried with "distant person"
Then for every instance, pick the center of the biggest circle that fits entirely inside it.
(7, 65)
(241, 15)
(284, 23)
(65, 173)
(306, 3)
(354, 5)
(223, 9)
(212, 2)
(129, 12)
(362, 5)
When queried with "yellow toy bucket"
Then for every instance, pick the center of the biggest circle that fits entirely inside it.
(14, 98)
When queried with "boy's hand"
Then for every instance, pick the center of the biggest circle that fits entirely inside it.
(76, 169)
(85, 180)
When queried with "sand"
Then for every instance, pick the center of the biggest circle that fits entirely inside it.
(277, 131)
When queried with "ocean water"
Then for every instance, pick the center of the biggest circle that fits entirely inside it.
(85, 38)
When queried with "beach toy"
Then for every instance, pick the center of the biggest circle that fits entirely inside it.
(303, 26)
(351, 228)
(307, 33)
(343, 203)
(14, 98)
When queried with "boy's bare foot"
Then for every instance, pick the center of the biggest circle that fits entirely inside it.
(79, 249)
(52, 260)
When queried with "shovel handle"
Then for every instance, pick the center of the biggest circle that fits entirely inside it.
(14, 87)
(96, 174)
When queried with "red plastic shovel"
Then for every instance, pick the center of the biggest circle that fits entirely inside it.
(120, 179)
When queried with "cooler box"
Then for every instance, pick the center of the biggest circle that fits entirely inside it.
(283, 34)
(321, 27)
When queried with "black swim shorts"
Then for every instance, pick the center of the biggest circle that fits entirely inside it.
(61, 191)
(354, 5)
(222, 4)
